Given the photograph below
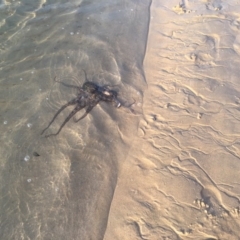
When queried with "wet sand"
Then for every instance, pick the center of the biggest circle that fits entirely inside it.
(181, 178)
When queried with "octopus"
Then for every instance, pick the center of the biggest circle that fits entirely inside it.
(88, 96)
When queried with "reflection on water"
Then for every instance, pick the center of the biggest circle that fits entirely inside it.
(62, 187)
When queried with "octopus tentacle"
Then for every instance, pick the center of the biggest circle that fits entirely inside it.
(66, 85)
(74, 111)
(89, 109)
(72, 102)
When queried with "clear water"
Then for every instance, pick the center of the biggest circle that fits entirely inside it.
(66, 191)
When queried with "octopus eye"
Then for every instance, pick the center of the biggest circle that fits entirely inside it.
(107, 93)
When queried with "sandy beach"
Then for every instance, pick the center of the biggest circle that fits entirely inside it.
(181, 178)
(164, 166)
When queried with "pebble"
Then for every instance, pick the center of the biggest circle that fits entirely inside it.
(36, 154)
(26, 158)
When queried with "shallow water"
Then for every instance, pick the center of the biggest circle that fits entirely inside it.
(66, 192)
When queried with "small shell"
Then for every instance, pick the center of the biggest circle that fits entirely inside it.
(119, 105)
